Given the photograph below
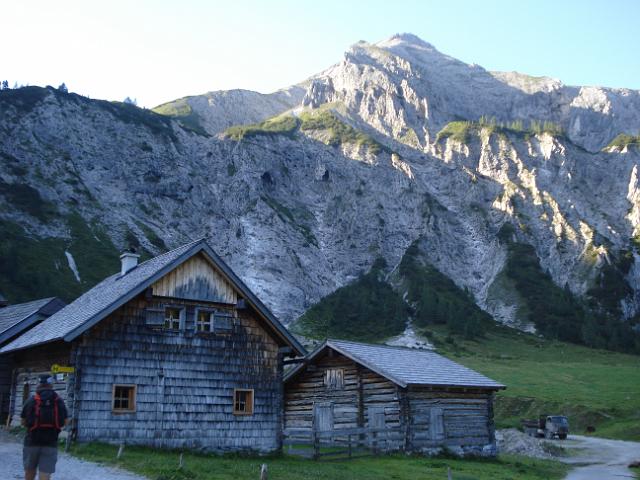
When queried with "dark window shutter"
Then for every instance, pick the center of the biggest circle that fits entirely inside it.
(222, 322)
(154, 317)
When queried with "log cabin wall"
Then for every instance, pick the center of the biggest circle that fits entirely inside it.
(29, 365)
(427, 418)
(365, 400)
(381, 399)
(308, 390)
(184, 380)
(452, 418)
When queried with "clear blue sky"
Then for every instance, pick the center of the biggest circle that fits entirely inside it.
(159, 50)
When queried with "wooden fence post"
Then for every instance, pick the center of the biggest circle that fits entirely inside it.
(449, 477)
(349, 445)
(374, 442)
(181, 461)
(316, 444)
(264, 473)
(120, 451)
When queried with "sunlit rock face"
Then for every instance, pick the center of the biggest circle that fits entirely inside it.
(299, 214)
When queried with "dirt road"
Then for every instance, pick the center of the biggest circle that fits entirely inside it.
(599, 458)
(68, 467)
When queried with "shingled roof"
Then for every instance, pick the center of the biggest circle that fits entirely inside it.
(14, 319)
(404, 366)
(116, 290)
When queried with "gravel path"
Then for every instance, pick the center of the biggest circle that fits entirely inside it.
(604, 459)
(593, 458)
(68, 467)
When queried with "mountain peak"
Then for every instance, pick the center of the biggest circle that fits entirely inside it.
(406, 40)
(409, 38)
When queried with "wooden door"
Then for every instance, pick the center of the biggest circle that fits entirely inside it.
(436, 424)
(376, 420)
(375, 417)
(323, 417)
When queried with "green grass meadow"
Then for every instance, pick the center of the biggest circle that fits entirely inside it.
(163, 465)
(592, 387)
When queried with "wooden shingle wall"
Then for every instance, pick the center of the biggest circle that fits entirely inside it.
(185, 381)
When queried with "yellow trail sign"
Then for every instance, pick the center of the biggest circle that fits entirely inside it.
(55, 368)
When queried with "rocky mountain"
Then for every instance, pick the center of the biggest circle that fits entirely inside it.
(302, 190)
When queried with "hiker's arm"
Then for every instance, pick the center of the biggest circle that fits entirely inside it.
(25, 410)
(65, 412)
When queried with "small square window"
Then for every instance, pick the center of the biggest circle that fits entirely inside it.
(334, 378)
(124, 398)
(172, 318)
(204, 322)
(242, 402)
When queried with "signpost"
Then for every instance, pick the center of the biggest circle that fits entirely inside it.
(55, 368)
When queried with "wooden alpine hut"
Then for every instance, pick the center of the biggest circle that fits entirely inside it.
(424, 401)
(15, 320)
(174, 352)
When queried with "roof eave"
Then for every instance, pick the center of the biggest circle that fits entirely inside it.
(298, 368)
(454, 385)
(355, 358)
(373, 368)
(26, 347)
(19, 327)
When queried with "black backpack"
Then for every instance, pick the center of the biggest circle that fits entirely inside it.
(44, 413)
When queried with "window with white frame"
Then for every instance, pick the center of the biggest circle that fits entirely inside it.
(204, 321)
(214, 321)
(172, 318)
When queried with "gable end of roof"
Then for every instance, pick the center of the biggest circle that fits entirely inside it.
(116, 290)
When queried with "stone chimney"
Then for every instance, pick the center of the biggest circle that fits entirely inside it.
(129, 261)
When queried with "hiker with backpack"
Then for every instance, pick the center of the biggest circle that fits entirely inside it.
(44, 415)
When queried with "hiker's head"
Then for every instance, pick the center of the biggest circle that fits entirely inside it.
(45, 381)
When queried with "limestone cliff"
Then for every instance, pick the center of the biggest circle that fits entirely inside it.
(398, 143)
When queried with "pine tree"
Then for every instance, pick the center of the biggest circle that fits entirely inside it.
(63, 88)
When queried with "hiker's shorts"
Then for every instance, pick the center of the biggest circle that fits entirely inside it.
(40, 458)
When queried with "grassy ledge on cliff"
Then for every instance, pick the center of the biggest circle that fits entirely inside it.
(334, 131)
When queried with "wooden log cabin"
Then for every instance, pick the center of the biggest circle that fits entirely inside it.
(15, 320)
(425, 401)
(175, 352)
